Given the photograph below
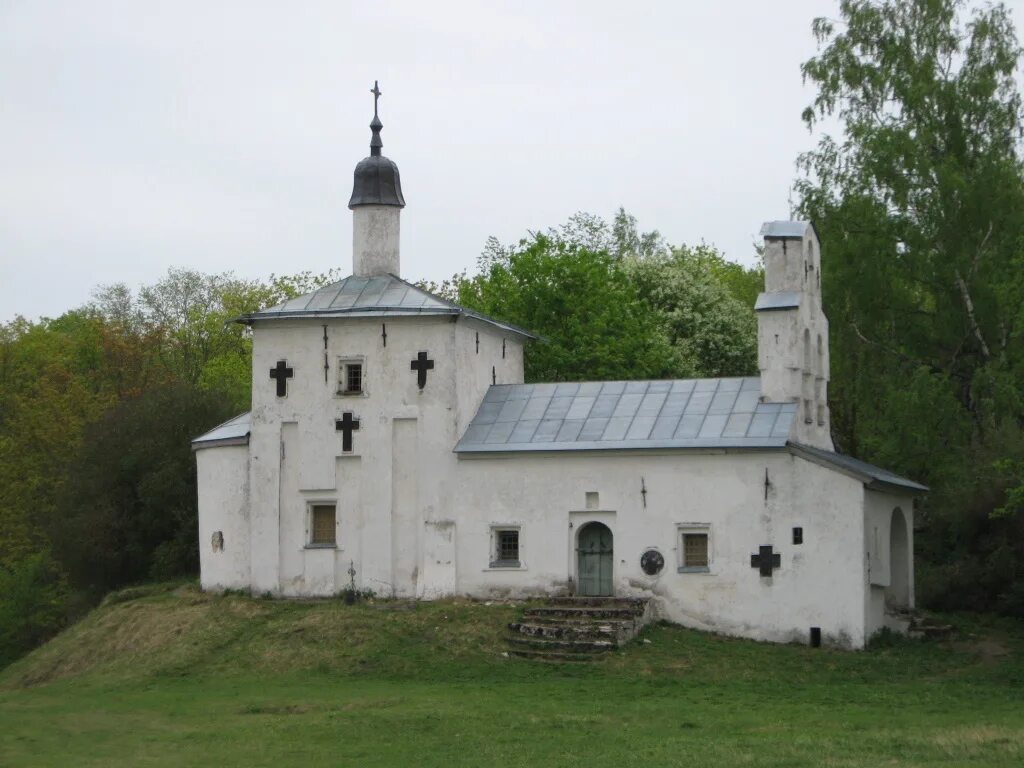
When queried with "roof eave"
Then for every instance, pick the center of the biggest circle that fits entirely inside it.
(198, 445)
(722, 444)
(254, 317)
(869, 481)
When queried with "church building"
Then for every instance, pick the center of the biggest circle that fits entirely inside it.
(394, 446)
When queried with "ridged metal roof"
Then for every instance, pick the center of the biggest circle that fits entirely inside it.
(232, 432)
(686, 413)
(872, 476)
(378, 296)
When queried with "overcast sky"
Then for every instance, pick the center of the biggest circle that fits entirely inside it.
(136, 136)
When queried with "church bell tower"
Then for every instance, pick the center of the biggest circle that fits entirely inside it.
(792, 330)
(376, 204)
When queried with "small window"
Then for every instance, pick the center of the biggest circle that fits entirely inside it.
(798, 535)
(808, 412)
(323, 531)
(351, 380)
(694, 551)
(505, 548)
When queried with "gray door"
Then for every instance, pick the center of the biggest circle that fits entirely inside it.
(594, 559)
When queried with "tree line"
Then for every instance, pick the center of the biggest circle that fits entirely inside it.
(919, 202)
(98, 406)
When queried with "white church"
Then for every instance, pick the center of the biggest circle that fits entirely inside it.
(394, 446)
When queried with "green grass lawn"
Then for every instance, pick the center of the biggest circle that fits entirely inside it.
(179, 678)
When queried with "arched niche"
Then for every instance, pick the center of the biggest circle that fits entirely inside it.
(897, 594)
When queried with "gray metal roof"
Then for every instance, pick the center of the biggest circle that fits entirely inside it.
(785, 229)
(777, 300)
(232, 432)
(687, 413)
(378, 296)
(873, 477)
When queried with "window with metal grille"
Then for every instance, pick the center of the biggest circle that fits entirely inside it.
(506, 548)
(322, 525)
(353, 378)
(695, 550)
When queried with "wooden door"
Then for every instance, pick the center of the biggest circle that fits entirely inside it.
(594, 560)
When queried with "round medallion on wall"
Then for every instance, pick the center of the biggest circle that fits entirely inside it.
(651, 562)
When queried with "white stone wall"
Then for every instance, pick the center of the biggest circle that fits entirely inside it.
(223, 481)
(400, 474)
(376, 230)
(820, 583)
(879, 568)
(475, 366)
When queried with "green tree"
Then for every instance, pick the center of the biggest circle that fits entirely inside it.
(592, 322)
(128, 507)
(33, 604)
(614, 302)
(920, 206)
(713, 332)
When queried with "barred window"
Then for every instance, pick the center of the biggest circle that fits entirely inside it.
(694, 548)
(505, 548)
(323, 530)
(351, 380)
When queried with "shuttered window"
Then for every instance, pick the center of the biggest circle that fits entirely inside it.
(323, 525)
(695, 550)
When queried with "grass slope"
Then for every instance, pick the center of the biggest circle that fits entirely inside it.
(179, 678)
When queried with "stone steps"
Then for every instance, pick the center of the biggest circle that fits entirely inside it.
(576, 628)
(927, 627)
(917, 625)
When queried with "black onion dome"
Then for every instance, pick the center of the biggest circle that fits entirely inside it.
(376, 182)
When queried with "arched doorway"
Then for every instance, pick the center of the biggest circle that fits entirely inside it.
(594, 561)
(897, 594)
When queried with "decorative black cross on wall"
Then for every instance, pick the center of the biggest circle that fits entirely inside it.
(347, 424)
(281, 373)
(421, 365)
(766, 560)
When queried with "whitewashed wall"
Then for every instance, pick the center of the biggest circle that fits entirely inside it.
(820, 583)
(223, 481)
(401, 471)
(879, 567)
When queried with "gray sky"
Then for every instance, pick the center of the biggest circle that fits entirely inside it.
(136, 136)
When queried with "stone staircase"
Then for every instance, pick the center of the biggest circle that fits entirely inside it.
(915, 624)
(926, 626)
(576, 628)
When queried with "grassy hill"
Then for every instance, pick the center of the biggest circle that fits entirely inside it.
(174, 677)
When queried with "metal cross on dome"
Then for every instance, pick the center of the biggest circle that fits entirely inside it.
(376, 95)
